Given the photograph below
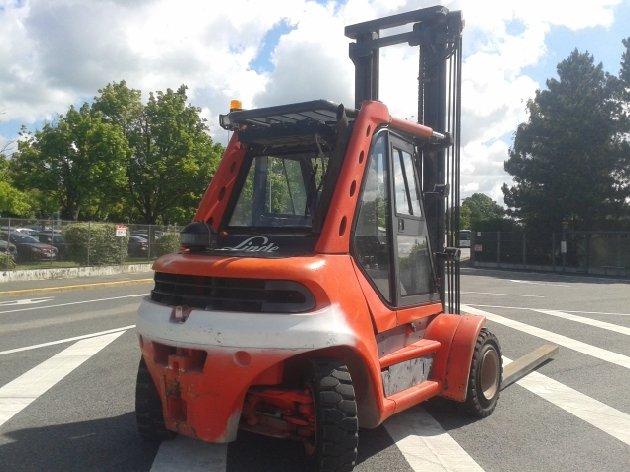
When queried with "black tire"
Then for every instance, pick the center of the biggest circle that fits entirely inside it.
(149, 417)
(482, 396)
(337, 424)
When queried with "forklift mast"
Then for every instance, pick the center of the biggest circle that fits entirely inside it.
(438, 34)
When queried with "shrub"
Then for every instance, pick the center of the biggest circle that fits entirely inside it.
(6, 261)
(101, 240)
(167, 243)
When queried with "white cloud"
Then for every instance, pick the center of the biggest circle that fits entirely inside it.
(53, 54)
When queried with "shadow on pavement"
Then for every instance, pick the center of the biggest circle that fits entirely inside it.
(511, 274)
(112, 444)
(107, 444)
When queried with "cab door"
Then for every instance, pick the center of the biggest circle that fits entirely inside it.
(414, 280)
(390, 239)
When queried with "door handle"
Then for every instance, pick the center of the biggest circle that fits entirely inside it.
(401, 225)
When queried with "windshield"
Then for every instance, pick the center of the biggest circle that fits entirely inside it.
(280, 191)
(22, 238)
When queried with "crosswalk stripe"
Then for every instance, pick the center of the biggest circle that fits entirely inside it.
(189, 455)
(64, 341)
(611, 421)
(24, 390)
(588, 321)
(578, 346)
(566, 311)
(79, 302)
(426, 446)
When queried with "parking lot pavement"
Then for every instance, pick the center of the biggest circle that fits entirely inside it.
(68, 366)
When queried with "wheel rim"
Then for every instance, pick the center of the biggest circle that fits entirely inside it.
(490, 374)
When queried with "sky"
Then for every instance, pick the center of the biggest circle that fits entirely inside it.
(272, 52)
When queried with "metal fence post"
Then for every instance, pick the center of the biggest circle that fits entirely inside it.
(150, 235)
(564, 248)
(8, 246)
(553, 250)
(588, 253)
(88, 242)
(52, 240)
(498, 247)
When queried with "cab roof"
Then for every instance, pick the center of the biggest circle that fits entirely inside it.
(314, 113)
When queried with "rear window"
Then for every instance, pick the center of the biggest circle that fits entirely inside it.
(280, 191)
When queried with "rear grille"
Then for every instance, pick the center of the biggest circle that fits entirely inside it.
(231, 294)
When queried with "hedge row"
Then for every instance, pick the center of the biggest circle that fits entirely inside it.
(95, 244)
(167, 243)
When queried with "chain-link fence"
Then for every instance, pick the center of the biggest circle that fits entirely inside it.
(38, 244)
(588, 252)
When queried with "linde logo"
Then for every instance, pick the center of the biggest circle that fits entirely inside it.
(253, 244)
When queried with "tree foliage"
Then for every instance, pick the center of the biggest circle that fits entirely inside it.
(119, 159)
(78, 161)
(13, 202)
(569, 159)
(171, 155)
(480, 213)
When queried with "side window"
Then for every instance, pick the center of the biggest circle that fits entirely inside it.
(371, 237)
(414, 273)
(405, 189)
(414, 194)
(414, 265)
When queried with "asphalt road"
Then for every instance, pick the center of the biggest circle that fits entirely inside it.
(69, 406)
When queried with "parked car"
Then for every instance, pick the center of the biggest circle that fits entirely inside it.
(138, 246)
(30, 249)
(26, 231)
(7, 247)
(54, 239)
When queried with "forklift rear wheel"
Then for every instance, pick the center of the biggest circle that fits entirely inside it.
(149, 417)
(484, 381)
(337, 424)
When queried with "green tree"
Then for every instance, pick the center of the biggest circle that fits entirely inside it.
(171, 156)
(566, 160)
(77, 161)
(480, 212)
(13, 202)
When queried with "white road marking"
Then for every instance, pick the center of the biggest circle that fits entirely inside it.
(611, 421)
(26, 301)
(485, 293)
(503, 294)
(28, 387)
(568, 311)
(426, 446)
(539, 283)
(578, 346)
(189, 455)
(588, 321)
(67, 340)
(73, 303)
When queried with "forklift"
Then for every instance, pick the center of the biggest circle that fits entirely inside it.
(317, 289)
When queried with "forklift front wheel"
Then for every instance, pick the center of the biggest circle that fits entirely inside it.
(337, 424)
(484, 381)
(149, 417)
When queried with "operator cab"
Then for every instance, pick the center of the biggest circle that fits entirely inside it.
(290, 170)
(292, 160)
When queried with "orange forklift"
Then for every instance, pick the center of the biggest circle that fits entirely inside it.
(317, 289)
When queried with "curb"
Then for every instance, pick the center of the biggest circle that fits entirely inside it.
(71, 272)
(65, 288)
